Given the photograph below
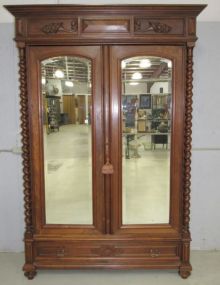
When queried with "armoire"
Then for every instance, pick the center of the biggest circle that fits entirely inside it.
(96, 193)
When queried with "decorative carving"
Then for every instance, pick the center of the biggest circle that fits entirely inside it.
(107, 250)
(185, 273)
(74, 25)
(154, 252)
(187, 143)
(54, 28)
(29, 271)
(25, 144)
(144, 26)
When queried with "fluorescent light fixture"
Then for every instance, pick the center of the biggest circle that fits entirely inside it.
(69, 83)
(123, 64)
(43, 80)
(145, 63)
(59, 73)
(136, 76)
(133, 83)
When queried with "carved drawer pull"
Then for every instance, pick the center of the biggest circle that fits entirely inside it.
(154, 253)
(60, 252)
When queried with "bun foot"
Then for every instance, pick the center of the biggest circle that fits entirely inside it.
(185, 271)
(29, 271)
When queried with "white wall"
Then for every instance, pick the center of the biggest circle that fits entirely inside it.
(206, 138)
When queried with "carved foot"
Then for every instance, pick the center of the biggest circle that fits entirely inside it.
(30, 275)
(185, 271)
(29, 271)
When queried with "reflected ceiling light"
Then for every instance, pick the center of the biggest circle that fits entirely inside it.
(136, 76)
(123, 64)
(90, 84)
(59, 73)
(133, 83)
(145, 63)
(69, 83)
(43, 80)
(169, 64)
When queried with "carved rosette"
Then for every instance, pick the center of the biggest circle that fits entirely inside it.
(25, 142)
(188, 143)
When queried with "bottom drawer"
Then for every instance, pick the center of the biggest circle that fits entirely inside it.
(103, 249)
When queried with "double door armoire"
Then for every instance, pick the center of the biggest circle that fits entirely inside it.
(109, 187)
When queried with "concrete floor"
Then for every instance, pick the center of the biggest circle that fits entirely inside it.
(206, 265)
(68, 179)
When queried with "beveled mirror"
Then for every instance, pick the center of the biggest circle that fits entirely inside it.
(146, 129)
(67, 115)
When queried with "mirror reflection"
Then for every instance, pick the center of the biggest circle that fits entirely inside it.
(146, 127)
(67, 115)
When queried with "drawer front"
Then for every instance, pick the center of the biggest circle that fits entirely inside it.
(106, 250)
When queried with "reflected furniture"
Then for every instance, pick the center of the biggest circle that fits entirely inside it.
(105, 36)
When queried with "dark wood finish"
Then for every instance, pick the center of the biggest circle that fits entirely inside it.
(106, 34)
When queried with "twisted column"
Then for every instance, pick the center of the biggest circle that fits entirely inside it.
(25, 142)
(188, 141)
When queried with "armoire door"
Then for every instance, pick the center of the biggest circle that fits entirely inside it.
(146, 94)
(68, 188)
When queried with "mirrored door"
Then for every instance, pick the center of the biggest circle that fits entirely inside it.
(68, 134)
(145, 99)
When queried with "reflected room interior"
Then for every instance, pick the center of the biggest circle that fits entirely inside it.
(67, 111)
(146, 126)
(146, 109)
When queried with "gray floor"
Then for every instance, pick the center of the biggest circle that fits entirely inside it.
(206, 271)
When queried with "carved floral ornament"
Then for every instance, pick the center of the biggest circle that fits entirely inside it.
(145, 25)
(57, 27)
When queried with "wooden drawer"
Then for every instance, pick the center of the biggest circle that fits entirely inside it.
(105, 250)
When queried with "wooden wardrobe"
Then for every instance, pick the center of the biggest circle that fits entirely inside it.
(136, 199)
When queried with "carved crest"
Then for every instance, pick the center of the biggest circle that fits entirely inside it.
(54, 28)
(144, 25)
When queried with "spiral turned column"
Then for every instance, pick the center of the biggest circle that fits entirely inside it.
(188, 142)
(25, 143)
(29, 268)
(185, 268)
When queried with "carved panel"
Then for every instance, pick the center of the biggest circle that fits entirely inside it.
(51, 27)
(105, 25)
(158, 26)
(107, 250)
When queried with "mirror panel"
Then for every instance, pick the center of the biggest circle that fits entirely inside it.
(146, 106)
(67, 110)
